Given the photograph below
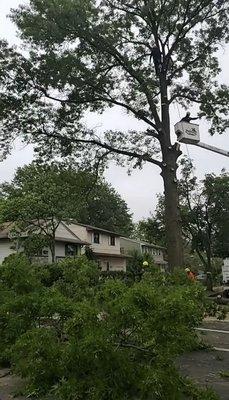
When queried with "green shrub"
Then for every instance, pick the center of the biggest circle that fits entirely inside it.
(37, 355)
(19, 301)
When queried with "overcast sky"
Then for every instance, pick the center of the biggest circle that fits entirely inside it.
(140, 189)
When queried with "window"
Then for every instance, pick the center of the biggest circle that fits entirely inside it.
(122, 250)
(112, 240)
(70, 250)
(108, 266)
(96, 237)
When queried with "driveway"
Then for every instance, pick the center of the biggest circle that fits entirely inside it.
(206, 367)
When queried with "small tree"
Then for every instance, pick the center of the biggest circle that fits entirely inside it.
(36, 202)
(33, 244)
(41, 196)
(140, 55)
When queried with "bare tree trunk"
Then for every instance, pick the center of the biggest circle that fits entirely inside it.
(173, 226)
(53, 252)
(209, 260)
(170, 155)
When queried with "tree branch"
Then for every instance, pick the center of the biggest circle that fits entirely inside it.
(93, 142)
(138, 114)
(128, 68)
(184, 66)
(190, 98)
(182, 32)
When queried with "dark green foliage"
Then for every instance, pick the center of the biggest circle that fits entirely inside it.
(135, 268)
(34, 244)
(19, 301)
(196, 393)
(152, 229)
(76, 336)
(89, 56)
(96, 56)
(40, 196)
(41, 350)
(204, 210)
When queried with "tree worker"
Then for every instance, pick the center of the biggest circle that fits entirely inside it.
(188, 118)
(190, 274)
(157, 59)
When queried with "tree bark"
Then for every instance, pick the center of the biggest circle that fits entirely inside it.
(173, 226)
(52, 248)
(170, 155)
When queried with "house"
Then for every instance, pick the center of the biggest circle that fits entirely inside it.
(71, 240)
(128, 246)
(104, 244)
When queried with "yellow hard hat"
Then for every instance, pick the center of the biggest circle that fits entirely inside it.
(145, 264)
(187, 270)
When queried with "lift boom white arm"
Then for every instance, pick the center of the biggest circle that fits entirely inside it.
(189, 133)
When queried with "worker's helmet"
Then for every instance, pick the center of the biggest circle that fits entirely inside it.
(187, 270)
(145, 264)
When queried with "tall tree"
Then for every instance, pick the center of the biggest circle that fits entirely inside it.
(40, 196)
(216, 190)
(141, 55)
(204, 209)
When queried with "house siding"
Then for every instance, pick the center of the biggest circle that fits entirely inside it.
(60, 249)
(115, 264)
(104, 251)
(79, 231)
(104, 246)
(63, 232)
(128, 246)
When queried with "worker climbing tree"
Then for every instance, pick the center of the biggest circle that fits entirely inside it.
(157, 59)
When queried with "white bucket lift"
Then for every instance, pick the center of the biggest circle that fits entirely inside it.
(187, 133)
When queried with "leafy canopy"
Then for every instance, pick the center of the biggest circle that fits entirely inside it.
(43, 195)
(87, 56)
(204, 209)
(73, 335)
(205, 212)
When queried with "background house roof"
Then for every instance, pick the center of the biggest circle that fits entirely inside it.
(108, 255)
(74, 239)
(6, 227)
(142, 243)
(95, 228)
(69, 240)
